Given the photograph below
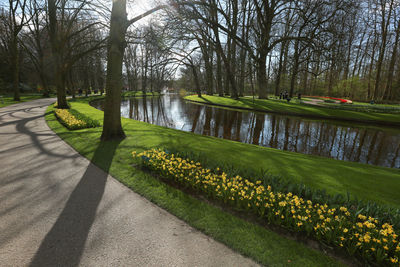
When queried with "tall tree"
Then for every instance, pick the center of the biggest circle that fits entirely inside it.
(112, 128)
(16, 18)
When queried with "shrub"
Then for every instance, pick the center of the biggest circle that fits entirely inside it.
(372, 240)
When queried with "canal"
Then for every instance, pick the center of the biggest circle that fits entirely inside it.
(328, 138)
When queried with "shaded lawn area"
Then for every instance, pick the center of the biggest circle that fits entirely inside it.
(265, 246)
(7, 100)
(293, 108)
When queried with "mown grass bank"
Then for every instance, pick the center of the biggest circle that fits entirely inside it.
(259, 243)
(293, 108)
(7, 100)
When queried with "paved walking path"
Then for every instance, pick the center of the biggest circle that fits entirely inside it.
(57, 209)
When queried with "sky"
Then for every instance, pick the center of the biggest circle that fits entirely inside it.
(137, 7)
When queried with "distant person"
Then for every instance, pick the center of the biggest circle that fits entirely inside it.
(280, 95)
(80, 92)
(299, 95)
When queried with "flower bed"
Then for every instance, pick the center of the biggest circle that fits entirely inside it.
(343, 101)
(373, 241)
(74, 120)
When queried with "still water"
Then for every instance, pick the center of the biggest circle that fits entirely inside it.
(331, 139)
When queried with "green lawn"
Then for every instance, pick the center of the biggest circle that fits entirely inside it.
(259, 243)
(377, 105)
(7, 100)
(295, 108)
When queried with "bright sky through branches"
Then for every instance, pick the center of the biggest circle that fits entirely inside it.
(138, 7)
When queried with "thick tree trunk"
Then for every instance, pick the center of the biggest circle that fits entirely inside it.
(57, 55)
(61, 96)
(209, 74)
(262, 77)
(112, 128)
(60, 83)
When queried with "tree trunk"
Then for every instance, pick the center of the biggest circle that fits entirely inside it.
(15, 58)
(219, 76)
(382, 49)
(305, 81)
(57, 55)
(196, 79)
(262, 77)
(61, 96)
(392, 63)
(295, 68)
(242, 71)
(209, 74)
(371, 68)
(280, 67)
(112, 128)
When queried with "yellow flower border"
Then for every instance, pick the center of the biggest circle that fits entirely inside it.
(374, 241)
(69, 120)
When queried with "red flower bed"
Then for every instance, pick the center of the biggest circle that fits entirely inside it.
(334, 98)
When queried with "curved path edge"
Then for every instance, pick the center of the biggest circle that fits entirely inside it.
(58, 209)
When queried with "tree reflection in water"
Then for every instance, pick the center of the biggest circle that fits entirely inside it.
(328, 138)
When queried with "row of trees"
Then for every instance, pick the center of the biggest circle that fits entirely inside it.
(55, 40)
(337, 48)
(64, 42)
(148, 60)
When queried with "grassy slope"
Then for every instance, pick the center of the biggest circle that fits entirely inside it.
(377, 105)
(251, 240)
(8, 100)
(296, 108)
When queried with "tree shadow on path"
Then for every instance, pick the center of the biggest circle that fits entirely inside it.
(65, 242)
